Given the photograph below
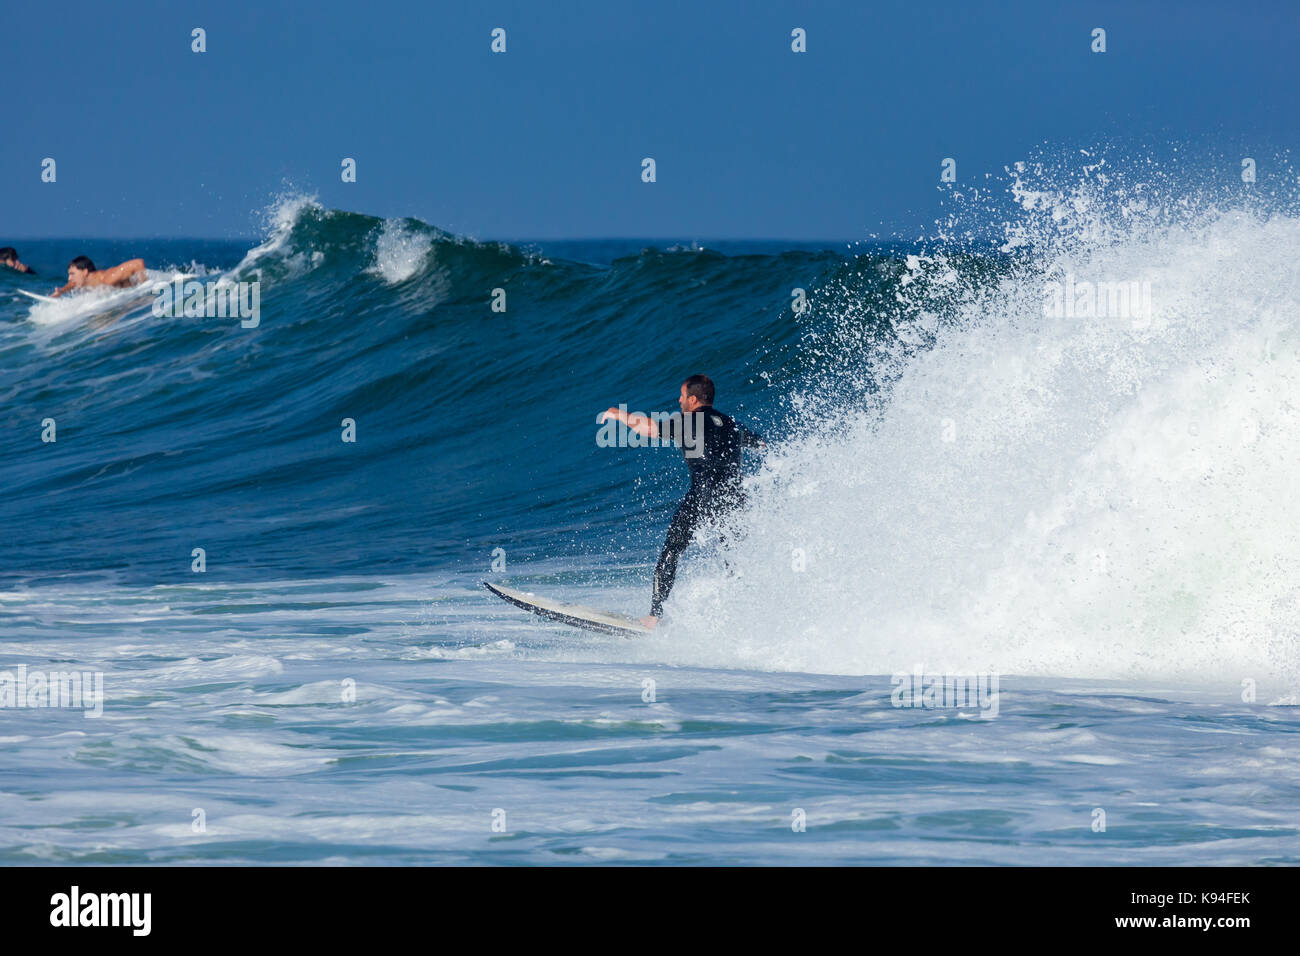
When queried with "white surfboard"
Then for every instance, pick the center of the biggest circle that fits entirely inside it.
(33, 295)
(575, 615)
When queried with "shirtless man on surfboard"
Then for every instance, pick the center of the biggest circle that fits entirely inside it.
(712, 443)
(83, 274)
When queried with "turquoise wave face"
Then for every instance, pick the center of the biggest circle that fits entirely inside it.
(474, 428)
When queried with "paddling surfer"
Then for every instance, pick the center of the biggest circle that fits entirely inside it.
(83, 274)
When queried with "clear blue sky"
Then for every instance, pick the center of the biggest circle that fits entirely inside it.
(546, 141)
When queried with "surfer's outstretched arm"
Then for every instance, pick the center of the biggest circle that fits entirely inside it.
(641, 424)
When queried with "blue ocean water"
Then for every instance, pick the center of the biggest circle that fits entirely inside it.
(1092, 511)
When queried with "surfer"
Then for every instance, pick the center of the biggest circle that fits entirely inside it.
(712, 444)
(82, 273)
(9, 257)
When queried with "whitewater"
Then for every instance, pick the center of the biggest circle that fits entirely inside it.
(1092, 508)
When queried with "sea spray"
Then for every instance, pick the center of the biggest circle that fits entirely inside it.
(1039, 493)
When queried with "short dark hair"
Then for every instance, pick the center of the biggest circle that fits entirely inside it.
(701, 386)
(7, 253)
(82, 262)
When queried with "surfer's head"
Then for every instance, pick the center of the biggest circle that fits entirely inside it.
(78, 269)
(9, 256)
(697, 392)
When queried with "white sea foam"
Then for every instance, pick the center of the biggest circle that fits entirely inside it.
(400, 252)
(280, 219)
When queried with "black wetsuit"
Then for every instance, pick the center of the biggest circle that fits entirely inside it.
(711, 442)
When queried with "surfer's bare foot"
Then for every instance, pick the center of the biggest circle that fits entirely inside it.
(650, 621)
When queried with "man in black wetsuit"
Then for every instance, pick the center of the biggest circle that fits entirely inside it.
(711, 442)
